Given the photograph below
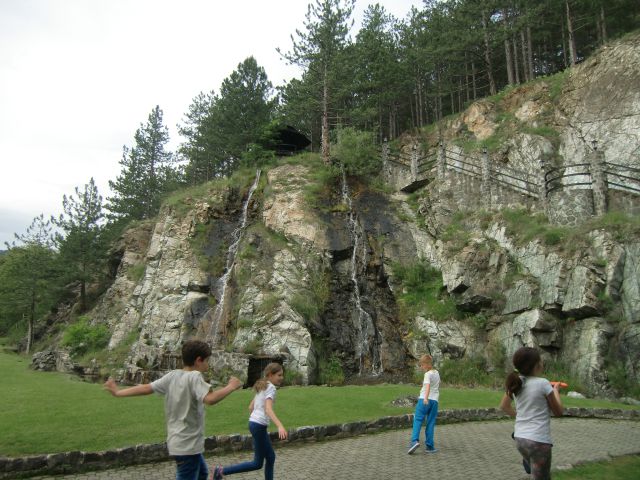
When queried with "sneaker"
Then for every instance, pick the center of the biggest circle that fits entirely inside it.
(413, 448)
(527, 467)
(217, 473)
(431, 450)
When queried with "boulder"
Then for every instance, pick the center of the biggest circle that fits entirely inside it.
(518, 298)
(581, 298)
(450, 339)
(630, 288)
(584, 348)
(478, 119)
(629, 350)
(533, 328)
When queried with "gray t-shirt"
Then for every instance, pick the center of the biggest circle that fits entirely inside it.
(533, 417)
(184, 392)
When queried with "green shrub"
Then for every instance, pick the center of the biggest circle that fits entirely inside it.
(252, 347)
(422, 292)
(245, 323)
(81, 337)
(136, 272)
(357, 151)
(268, 304)
(292, 377)
(311, 303)
(497, 355)
(468, 371)
(559, 370)
(330, 371)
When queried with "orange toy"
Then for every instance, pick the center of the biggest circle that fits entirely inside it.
(560, 384)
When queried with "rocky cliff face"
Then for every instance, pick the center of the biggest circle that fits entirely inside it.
(314, 278)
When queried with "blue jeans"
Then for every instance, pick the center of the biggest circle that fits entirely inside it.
(430, 412)
(262, 450)
(191, 467)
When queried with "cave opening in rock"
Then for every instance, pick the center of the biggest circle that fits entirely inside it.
(257, 365)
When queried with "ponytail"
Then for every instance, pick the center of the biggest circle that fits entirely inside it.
(513, 384)
(270, 369)
(524, 360)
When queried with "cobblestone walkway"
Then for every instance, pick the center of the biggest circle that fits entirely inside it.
(467, 451)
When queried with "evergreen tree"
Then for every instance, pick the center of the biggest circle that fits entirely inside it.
(147, 172)
(244, 108)
(80, 245)
(28, 279)
(319, 47)
(219, 128)
(377, 77)
(199, 147)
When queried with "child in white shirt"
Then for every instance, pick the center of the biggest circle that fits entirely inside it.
(261, 408)
(427, 407)
(535, 398)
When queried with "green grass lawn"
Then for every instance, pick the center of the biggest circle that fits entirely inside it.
(622, 468)
(52, 412)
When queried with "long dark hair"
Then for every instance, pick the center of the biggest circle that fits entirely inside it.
(270, 369)
(524, 360)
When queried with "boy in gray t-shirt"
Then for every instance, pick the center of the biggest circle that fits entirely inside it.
(185, 393)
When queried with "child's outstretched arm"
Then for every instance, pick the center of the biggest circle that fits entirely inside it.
(268, 408)
(220, 394)
(506, 407)
(554, 401)
(111, 386)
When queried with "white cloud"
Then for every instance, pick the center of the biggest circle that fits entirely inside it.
(77, 77)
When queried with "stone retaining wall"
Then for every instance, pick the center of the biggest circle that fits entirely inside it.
(71, 462)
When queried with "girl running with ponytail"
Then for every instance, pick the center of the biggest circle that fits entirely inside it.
(261, 408)
(535, 399)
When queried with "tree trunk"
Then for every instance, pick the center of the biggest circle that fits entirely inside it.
(420, 117)
(487, 55)
(325, 118)
(473, 80)
(572, 41)
(516, 67)
(532, 72)
(508, 61)
(603, 25)
(523, 46)
(413, 118)
(83, 295)
(29, 332)
(466, 77)
(565, 57)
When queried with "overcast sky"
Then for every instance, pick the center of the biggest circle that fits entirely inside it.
(77, 77)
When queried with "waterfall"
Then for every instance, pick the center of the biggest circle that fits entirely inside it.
(215, 314)
(365, 325)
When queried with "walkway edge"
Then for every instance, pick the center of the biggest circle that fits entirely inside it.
(79, 461)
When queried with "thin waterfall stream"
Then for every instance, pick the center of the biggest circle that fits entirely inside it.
(365, 324)
(215, 314)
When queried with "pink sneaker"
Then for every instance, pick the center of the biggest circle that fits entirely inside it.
(216, 473)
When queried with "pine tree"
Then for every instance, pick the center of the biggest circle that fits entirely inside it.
(243, 109)
(319, 47)
(80, 243)
(146, 174)
(28, 278)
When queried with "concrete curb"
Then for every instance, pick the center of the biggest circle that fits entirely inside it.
(78, 461)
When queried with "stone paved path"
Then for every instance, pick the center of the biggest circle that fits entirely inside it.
(467, 451)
